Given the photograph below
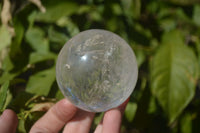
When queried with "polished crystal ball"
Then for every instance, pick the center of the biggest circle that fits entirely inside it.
(96, 70)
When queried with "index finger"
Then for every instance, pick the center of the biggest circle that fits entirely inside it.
(111, 121)
(55, 118)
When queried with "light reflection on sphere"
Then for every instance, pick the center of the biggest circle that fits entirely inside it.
(96, 70)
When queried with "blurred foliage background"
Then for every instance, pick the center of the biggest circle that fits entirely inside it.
(164, 34)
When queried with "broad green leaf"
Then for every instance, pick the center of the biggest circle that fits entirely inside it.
(57, 10)
(36, 57)
(5, 37)
(3, 94)
(35, 37)
(196, 15)
(41, 82)
(174, 73)
(130, 111)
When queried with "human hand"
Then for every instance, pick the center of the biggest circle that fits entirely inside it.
(64, 114)
(8, 121)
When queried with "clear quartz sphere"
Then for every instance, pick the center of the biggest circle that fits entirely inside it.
(96, 70)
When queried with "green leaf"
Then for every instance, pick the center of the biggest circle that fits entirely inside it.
(196, 15)
(131, 8)
(5, 37)
(117, 9)
(35, 37)
(7, 76)
(3, 94)
(20, 100)
(41, 82)
(32, 118)
(21, 126)
(168, 24)
(174, 73)
(130, 111)
(196, 40)
(68, 23)
(7, 64)
(56, 10)
(57, 37)
(152, 105)
(36, 57)
(140, 56)
(19, 34)
(59, 95)
(186, 123)
(98, 118)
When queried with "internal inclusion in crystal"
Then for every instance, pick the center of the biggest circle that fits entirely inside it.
(96, 70)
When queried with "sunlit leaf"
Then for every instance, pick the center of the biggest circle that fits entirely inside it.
(59, 95)
(35, 37)
(56, 10)
(7, 64)
(130, 111)
(41, 82)
(174, 72)
(5, 37)
(36, 57)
